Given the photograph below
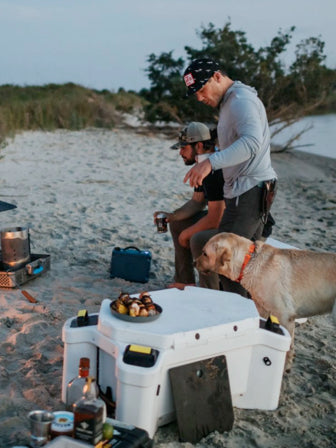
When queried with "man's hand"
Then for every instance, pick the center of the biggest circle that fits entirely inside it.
(168, 215)
(197, 173)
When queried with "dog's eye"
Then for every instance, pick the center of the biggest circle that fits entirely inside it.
(204, 254)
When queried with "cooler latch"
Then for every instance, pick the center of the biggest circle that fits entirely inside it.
(140, 355)
(273, 324)
(84, 319)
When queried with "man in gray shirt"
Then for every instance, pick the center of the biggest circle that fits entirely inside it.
(244, 150)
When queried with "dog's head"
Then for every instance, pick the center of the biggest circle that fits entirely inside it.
(223, 253)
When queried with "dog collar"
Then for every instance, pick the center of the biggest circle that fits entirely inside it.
(246, 260)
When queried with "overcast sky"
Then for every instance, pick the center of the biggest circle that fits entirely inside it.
(104, 44)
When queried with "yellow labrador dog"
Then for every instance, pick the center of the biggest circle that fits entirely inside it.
(287, 283)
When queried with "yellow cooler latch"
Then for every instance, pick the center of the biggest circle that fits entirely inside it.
(140, 355)
(273, 324)
(82, 318)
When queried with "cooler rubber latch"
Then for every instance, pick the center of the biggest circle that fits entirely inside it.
(272, 324)
(84, 319)
(140, 355)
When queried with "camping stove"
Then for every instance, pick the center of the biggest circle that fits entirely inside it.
(15, 277)
(17, 264)
(195, 324)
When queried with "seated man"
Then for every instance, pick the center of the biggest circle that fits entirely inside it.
(197, 220)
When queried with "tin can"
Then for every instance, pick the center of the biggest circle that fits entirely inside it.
(161, 223)
(63, 424)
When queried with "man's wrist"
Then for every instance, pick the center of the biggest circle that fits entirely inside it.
(211, 160)
(173, 216)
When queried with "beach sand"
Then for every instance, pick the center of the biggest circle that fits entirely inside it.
(83, 193)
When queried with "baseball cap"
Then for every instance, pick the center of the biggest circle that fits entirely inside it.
(193, 133)
(198, 73)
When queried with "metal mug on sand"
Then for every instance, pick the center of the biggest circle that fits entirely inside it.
(161, 222)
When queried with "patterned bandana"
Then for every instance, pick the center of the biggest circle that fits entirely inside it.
(198, 73)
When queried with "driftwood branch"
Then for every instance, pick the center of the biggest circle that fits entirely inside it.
(286, 116)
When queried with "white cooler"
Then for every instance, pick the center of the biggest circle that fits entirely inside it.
(195, 324)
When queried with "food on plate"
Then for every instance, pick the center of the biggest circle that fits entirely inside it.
(143, 312)
(134, 306)
(120, 307)
(151, 308)
(134, 309)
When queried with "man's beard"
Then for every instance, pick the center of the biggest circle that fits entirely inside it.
(189, 162)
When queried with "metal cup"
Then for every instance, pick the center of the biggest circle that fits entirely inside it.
(161, 223)
(15, 247)
(40, 424)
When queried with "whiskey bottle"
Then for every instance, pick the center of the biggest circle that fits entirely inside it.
(89, 412)
(75, 387)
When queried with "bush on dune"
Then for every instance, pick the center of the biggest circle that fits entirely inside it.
(67, 106)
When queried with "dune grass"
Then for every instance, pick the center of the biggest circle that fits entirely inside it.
(66, 106)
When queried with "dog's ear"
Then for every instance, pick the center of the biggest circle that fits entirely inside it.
(225, 255)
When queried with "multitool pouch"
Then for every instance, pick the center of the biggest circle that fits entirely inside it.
(269, 190)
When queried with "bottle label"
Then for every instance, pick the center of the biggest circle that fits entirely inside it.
(89, 429)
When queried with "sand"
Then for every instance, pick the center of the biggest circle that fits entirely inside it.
(83, 193)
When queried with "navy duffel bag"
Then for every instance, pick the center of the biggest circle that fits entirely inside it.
(131, 264)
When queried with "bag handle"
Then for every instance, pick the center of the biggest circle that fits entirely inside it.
(132, 247)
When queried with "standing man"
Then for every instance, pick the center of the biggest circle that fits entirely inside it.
(244, 150)
(192, 225)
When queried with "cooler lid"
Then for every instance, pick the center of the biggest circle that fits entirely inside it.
(211, 313)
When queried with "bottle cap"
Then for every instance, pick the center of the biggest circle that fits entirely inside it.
(84, 363)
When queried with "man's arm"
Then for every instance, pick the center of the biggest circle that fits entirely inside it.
(196, 204)
(249, 121)
(248, 127)
(197, 173)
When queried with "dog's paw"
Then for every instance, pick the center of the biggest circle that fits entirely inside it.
(288, 369)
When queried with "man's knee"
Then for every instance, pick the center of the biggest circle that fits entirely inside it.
(176, 227)
(198, 241)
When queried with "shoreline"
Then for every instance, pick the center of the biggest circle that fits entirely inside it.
(81, 193)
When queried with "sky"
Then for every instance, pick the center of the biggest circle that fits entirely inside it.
(104, 44)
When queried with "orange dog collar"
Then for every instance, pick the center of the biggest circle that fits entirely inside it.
(246, 260)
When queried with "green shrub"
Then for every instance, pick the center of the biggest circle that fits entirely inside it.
(67, 106)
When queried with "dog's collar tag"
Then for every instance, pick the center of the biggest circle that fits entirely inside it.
(246, 260)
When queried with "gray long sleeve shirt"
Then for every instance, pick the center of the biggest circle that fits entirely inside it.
(244, 141)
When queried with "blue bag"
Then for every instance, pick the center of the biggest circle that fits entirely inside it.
(131, 264)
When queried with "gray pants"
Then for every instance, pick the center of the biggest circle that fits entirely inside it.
(242, 216)
(184, 258)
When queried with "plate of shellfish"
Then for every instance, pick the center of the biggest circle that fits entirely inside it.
(135, 309)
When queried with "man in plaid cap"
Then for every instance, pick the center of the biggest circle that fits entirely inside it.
(196, 221)
(244, 150)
